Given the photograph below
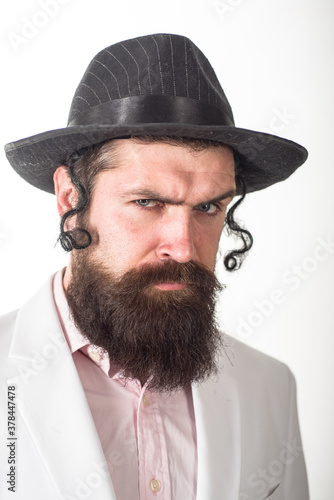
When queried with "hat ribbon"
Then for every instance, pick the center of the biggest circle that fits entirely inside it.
(138, 110)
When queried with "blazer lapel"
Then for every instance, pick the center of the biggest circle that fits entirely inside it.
(217, 416)
(53, 405)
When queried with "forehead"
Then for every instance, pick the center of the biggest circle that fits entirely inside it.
(159, 162)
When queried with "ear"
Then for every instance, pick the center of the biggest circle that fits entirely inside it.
(66, 193)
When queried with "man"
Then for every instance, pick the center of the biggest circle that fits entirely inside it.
(123, 386)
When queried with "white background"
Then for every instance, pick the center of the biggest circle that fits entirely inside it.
(273, 58)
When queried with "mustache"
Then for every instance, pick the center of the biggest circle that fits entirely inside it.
(189, 273)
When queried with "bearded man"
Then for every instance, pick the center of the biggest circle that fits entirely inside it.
(124, 387)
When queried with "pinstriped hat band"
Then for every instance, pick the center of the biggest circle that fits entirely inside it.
(160, 84)
(152, 109)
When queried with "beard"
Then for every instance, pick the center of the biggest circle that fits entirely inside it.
(164, 338)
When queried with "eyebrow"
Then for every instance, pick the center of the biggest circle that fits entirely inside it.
(155, 195)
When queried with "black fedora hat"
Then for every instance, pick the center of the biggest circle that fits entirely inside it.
(158, 84)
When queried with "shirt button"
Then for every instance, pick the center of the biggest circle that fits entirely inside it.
(145, 401)
(155, 485)
(95, 356)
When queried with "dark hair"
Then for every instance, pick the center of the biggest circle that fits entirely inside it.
(84, 165)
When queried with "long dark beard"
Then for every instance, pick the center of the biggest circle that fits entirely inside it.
(165, 338)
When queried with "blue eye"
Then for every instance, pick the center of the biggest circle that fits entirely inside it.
(146, 203)
(209, 208)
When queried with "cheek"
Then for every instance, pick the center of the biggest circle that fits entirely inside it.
(207, 243)
(125, 238)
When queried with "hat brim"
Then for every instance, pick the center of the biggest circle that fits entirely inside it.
(264, 158)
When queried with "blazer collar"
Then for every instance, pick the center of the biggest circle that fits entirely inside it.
(53, 404)
(217, 415)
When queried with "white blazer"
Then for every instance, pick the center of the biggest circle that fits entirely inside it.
(248, 437)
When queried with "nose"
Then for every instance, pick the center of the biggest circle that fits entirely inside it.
(176, 239)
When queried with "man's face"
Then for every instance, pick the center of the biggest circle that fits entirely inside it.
(161, 202)
(145, 290)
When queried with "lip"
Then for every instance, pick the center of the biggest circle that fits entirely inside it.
(170, 286)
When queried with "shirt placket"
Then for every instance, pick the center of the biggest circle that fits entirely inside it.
(154, 476)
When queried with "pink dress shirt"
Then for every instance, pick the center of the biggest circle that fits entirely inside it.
(149, 440)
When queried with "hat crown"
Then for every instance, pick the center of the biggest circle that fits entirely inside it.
(153, 65)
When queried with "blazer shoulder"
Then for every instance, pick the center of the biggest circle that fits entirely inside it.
(18, 327)
(6, 320)
(255, 368)
(7, 324)
(244, 353)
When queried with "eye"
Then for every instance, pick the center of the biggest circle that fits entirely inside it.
(209, 208)
(146, 203)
